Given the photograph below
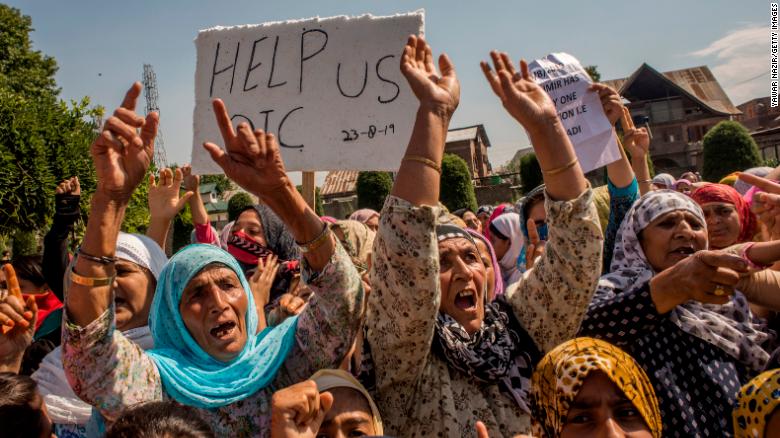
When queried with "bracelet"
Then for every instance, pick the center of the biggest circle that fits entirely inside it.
(316, 242)
(753, 265)
(428, 162)
(646, 181)
(561, 169)
(90, 281)
(103, 260)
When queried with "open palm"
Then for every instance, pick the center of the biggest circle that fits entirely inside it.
(437, 91)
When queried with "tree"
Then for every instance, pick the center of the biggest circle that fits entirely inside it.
(728, 147)
(237, 203)
(372, 189)
(456, 188)
(530, 172)
(223, 183)
(593, 72)
(318, 208)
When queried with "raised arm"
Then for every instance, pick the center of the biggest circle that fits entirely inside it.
(165, 203)
(55, 244)
(200, 217)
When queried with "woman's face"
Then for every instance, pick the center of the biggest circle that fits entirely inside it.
(373, 222)
(350, 416)
(684, 188)
(249, 222)
(722, 224)
(671, 238)
(133, 293)
(601, 409)
(490, 274)
(500, 246)
(462, 277)
(472, 221)
(213, 307)
(537, 213)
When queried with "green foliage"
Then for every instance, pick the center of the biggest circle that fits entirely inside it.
(23, 70)
(593, 72)
(318, 209)
(457, 190)
(25, 243)
(182, 229)
(373, 188)
(137, 213)
(237, 203)
(223, 183)
(728, 147)
(772, 162)
(530, 172)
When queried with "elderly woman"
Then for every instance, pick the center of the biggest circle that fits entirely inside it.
(756, 414)
(207, 353)
(590, 388)
(444, 357)
(729, 219)
(657, 304)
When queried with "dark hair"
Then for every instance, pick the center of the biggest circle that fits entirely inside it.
(159, 420)
(30, 267)
(20, 407)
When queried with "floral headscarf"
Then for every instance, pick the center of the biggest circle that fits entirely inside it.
(358, 241)
(727, 194)
(562, 372)
(756, 402)
(729, 327)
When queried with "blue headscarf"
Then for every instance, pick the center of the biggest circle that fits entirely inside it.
(189, 374)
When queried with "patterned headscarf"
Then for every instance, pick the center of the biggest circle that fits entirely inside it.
(723, 193)
(562, 372)
(756, 402)
(729, 327)
(328, 379)
(363, 215)
(664, 179)
(358, 241)
(189, 374)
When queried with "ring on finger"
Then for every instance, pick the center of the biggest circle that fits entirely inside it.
(719, 291)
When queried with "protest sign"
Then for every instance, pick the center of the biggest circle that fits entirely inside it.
(580, 110)
(330, 89)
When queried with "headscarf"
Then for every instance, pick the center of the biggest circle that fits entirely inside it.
(559, 376)
(501, 352)
(358, 241)
(742, 187)
(141, 250)
(508, 224)
(498, 211)
(664, 179)
(189, 374)
(498, 288)
(748, 223)
(756, 402)
(328, 379)
(729, 327)
(363, 215)
(729, 179)
(485, 209)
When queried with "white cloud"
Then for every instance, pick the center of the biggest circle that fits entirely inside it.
(740, 62)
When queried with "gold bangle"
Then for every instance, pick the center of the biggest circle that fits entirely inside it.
(317, 242)
(561, 169)
(90, 281)
(427, 161)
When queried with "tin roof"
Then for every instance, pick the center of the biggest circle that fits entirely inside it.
(339, 182)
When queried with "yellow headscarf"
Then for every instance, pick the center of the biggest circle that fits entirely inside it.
(561, 373)
(756, 402)
(332, 378)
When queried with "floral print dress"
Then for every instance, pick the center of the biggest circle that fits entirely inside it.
(112, 373)
(417, 392)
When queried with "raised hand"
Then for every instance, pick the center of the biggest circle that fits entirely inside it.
(610, 101)
(70, 186)
(120, 153)
(535, 246)
(164, 199)
(17, 319)
(251, 159)
(526, 101)
(261, 281)
(440, 92)
(298, 410)
(191, 182)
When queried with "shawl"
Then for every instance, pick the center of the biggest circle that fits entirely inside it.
(328, 379)
(756, 402)
(508, 224)
(358, 242)
(748, 223)
(363, 215)
(562, 372)
(498, 288)
(664, 179)
(189, 374)
(729, 327)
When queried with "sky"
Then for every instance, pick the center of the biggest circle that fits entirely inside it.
(101, 46)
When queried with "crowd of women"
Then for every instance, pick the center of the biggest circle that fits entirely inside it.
(643, 308)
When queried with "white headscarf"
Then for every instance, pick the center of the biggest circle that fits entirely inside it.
(729, 327)
(508, 224)
(141, 250)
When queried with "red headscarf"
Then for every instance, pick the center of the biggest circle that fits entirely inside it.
(498, 211)
(727, 194)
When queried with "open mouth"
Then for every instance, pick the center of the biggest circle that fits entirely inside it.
(223, 330)
(466, 300)
(684, 251)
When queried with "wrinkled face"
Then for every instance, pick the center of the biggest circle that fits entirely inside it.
(601, 409)
(462, 277)
(490, 274)
(213, 307)
(722, 224)
(350, 416)
(472, 221)
(249, 222)
(133, 293)
(373, 223)
(671, 238)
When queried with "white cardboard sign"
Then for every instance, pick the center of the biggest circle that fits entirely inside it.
(330, 89)
(580, 110)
